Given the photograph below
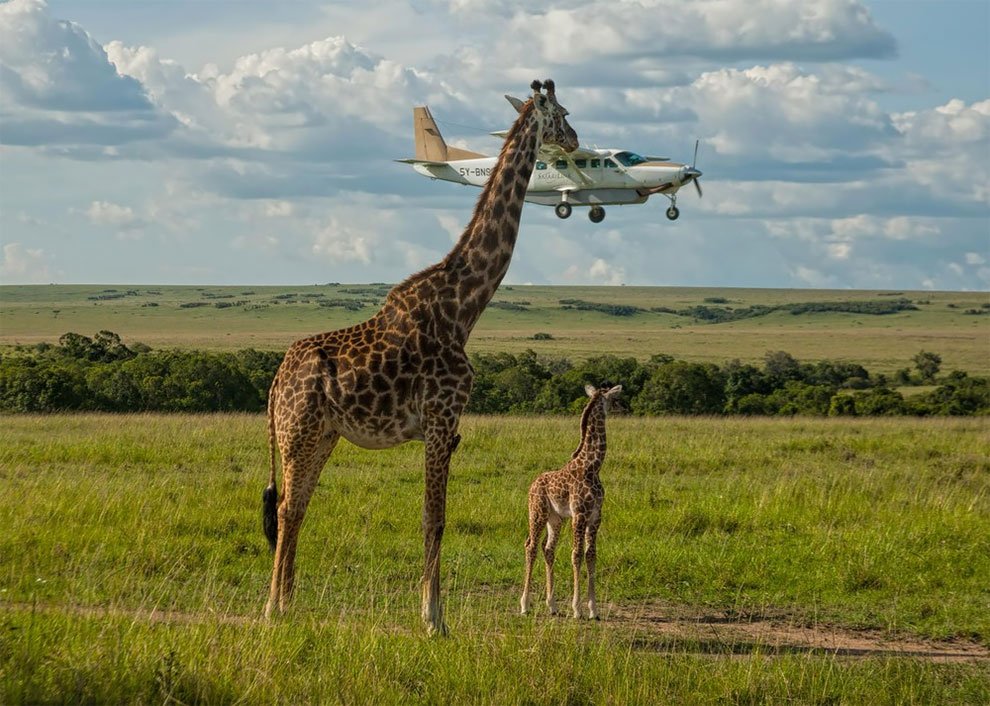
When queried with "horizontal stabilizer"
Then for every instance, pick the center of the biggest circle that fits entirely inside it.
(428, 162)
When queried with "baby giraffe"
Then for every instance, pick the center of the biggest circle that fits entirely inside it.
(573, 491)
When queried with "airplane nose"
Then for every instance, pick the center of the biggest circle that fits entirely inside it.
(692, 173)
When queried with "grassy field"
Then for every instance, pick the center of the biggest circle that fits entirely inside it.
(132, 566)
(272, 317)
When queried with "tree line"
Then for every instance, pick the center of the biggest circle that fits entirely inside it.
(103, 374)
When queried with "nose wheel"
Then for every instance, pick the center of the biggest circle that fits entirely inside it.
(563, 210)
(673, 213)
(596, 214)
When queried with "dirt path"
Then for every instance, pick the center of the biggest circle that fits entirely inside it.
(657, 627)
(679, 629)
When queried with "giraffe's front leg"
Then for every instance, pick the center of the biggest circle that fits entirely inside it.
(590, 555)
(577, 553)
(532, 547)
(439, 445)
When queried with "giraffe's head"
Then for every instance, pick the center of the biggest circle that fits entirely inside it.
(602, 396)
(553, 117)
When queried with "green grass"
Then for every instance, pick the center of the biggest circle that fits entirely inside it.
(858, 524)
(29, 314)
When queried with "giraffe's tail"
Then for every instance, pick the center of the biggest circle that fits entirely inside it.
(269, 498)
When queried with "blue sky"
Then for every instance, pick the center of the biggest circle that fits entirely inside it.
(845, 144)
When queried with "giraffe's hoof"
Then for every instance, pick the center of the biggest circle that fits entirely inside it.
(437, 631)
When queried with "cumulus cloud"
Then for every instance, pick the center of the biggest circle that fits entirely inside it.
(605, 273)
(23, 265)
(59, 87)
(786, 113)
(724, 30)
(112, 214)
(947, 149)
(328, 99)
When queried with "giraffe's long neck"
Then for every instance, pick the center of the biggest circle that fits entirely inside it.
(591, 451)
(481, 257)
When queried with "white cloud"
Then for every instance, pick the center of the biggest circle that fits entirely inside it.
(59, 87)
(785, 113)
(973, 258)
(605, 273)
(725, 30)
(451, 224)
(278, 209)
(343, 242)
(947, 150)
(112, 214)
(22, 265)
(326, 99)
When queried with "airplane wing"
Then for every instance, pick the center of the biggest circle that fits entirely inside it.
(549, 153)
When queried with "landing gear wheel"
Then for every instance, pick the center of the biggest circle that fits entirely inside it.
(563, 210)
(596, 214)
(673, 213)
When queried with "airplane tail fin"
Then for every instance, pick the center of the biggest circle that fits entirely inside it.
(430, 145)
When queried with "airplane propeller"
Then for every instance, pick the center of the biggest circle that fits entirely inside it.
(693, 173)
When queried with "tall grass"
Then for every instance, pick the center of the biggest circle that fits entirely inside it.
(132, 565)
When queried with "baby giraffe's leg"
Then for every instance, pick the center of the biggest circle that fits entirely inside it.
(590, 554)
(536, 520)
(577, 552)
(553, 534)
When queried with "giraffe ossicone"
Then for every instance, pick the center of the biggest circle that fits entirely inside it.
(402, 375)
(574, 491)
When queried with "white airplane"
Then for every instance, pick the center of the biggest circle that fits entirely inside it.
(585, 177)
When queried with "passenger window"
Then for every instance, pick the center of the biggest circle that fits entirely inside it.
(561, 164)
(581, 163)
(541, 165)
(595, 163)
(610, 164)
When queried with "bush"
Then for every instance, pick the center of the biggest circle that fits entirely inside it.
(880, 401)
(959, 394)
(682, 388)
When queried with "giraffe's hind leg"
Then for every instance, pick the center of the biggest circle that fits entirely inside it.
(300, 473)
(537, 518)
(554, 521)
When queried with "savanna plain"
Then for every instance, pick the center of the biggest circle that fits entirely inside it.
(740, 560)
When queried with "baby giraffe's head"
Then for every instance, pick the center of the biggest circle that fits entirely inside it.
(602, 396)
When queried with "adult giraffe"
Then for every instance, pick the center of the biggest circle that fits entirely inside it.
(402, 375)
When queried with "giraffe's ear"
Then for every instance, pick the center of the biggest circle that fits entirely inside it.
(590, 390)
(613, 393)
(516, 103)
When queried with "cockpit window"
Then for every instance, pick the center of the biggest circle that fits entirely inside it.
(629, 159)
